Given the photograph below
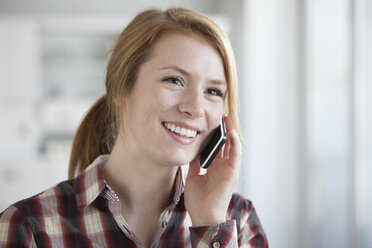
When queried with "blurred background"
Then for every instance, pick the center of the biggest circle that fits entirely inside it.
(305, 70)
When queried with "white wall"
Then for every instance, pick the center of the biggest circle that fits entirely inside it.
(96, 6)
(363, 122)
(307, 113)
(270, 111)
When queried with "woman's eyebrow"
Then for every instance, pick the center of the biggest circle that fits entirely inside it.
(182, 71)
(219, 82)
(176, 68)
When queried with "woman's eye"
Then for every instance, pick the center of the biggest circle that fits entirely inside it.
(174, 80)
(215, 92)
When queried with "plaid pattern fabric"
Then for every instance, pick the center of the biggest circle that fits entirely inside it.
(86, 212)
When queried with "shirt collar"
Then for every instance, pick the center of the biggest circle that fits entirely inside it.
(90, 184)
(179, 186)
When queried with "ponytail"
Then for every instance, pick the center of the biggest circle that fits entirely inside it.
(93, 138)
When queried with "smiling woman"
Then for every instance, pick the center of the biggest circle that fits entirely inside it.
(177, 90)
(170, 80)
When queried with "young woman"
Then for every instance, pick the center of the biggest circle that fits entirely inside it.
(170, 80)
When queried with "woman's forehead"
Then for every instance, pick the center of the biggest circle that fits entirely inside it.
(187, 51)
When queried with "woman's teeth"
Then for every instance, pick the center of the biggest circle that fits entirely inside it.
(180, 130)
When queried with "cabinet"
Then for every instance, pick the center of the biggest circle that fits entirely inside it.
(19, 85)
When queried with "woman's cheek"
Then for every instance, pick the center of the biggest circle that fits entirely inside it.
(214, 113)
(166, 100)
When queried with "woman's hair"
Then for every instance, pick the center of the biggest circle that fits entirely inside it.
(99, 129)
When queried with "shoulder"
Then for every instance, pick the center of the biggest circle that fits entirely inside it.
(39, 205)
(239, 203)
(20, 222)
(248, 224)
(239, 209)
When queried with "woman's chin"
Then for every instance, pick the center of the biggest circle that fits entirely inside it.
(177, 157)
(181, 162)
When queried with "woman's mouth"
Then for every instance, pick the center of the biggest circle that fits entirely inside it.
(182, 131)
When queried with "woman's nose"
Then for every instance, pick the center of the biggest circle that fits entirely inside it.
(192, 104)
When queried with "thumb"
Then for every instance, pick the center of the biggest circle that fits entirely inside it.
(194, 167)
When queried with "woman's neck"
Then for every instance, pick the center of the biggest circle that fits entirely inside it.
(138, 180)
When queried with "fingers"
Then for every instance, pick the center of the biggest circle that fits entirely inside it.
(233, 142)
(226, 149)
(235, 146)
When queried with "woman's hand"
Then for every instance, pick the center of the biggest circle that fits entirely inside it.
(207, 196)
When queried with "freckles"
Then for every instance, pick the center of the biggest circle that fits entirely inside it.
(165, 99)
(215, 115)
(158, 102)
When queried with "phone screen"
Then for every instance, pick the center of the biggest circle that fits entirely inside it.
(215, 144)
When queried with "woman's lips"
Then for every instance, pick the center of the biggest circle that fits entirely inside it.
(180, 133)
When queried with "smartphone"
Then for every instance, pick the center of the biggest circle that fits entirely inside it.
(214, 145)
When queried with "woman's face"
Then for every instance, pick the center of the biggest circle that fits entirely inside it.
(177, 99)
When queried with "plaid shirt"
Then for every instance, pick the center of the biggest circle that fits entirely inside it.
(85, 212)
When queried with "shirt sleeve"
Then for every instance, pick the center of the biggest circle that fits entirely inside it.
(243, 229)
(221, 235)
(251, 233)
(14, 230)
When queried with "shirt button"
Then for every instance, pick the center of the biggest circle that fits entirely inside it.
(164, 223)
(216, 245)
